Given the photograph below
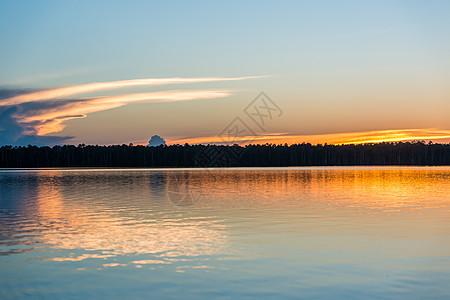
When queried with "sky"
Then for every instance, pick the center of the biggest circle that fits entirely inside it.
(115, 72)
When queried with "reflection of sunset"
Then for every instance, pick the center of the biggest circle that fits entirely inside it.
(109, 233)
(368, 188)
(126, 215)
(191, 239)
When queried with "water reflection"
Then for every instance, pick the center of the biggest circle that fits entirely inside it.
(108, 214)
(366, 188)
(308, 227)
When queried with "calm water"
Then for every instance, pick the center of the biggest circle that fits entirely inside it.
(236, 233)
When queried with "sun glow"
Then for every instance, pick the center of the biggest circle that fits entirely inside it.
(363, 137)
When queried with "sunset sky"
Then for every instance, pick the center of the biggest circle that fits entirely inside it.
(114, 72)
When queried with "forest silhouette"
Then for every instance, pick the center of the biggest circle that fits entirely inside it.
(267, 155)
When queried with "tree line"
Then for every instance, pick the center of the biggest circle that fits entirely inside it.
(267, 155)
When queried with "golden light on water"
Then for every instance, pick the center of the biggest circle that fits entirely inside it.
(379, 188)
(105, 222)
(117, 219)
(105, 232)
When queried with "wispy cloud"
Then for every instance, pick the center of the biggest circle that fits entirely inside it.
(376, 136)
(98, 86)
(32, 114)
(48, 119)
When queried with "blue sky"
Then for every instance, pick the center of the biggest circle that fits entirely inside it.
(335, 66)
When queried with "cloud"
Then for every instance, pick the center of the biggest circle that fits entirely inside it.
(376, 136)
(11, 132)
(6, 93)
(156, 140)
(27, 115)
(47, 117)
(97, 86)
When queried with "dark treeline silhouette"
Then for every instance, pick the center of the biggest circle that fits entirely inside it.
(268, 155)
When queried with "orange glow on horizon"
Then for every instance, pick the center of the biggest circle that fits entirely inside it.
(365, 137)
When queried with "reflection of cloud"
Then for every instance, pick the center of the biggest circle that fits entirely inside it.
(150, 261)
(103, 230)
(114, 265)
(112, 216)
(112, 239)
(376, 136)
(106, 233)
(191, 239)
(81, 257)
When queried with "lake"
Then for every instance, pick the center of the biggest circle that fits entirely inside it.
(244, 233)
